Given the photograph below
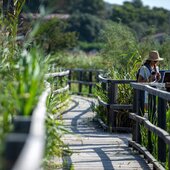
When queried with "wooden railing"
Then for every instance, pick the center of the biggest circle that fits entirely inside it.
(82, 81)
(24, 148)
(60, 84)
(32, 153)
(154, 121)
(58, 77)
(112, 107)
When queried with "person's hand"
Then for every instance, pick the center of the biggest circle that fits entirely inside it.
(158, 76)
(152, 77)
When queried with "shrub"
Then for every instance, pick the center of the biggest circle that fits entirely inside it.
(52, 35)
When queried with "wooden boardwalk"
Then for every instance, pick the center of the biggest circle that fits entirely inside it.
(94, 149)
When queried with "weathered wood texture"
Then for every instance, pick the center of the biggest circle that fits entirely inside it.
(156, 119)
(113, 107)
(93, 148)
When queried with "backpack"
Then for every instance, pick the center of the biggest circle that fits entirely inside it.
(149, 68)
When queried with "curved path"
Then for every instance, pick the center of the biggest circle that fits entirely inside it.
(94, 149)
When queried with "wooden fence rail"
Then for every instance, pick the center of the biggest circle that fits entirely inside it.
(83, 78)
(33, 150)
(157, 103)
(154, 121)
(112, 106)
(25, 146)
(59, 84)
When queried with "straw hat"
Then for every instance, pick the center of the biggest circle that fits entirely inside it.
(154, 56)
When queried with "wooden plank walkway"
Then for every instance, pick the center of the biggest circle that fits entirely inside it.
(93, 148)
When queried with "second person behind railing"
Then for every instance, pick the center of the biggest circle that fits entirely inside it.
(149, 71)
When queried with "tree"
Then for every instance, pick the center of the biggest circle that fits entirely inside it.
(94, 7)
(137, 3)
(141, 18)
(32, 6)
(52, 35)
(120, 51)
(87, 26)
(119, 41)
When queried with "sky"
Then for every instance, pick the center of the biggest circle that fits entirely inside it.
(157, 3)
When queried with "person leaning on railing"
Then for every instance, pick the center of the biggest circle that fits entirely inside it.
(149, 71)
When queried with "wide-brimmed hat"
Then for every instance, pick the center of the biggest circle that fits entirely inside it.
(154, 56)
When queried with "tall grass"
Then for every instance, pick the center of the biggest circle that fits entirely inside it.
(32, 68)
(22, 81)
(9, 27)
(79, 60)
(55, 147)
(8, 50)
(22, 70)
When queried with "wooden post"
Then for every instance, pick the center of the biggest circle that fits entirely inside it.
(134, 100)
(134, 111)
(162, 124)
(108, 117)
(14, 143)
(112, 92)
(103, 86)
(80, 84)
(139, 110)
(151, 116)
(97, 76)
(90, 81)
(169, 157)
(112, 95)
(69, 78)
